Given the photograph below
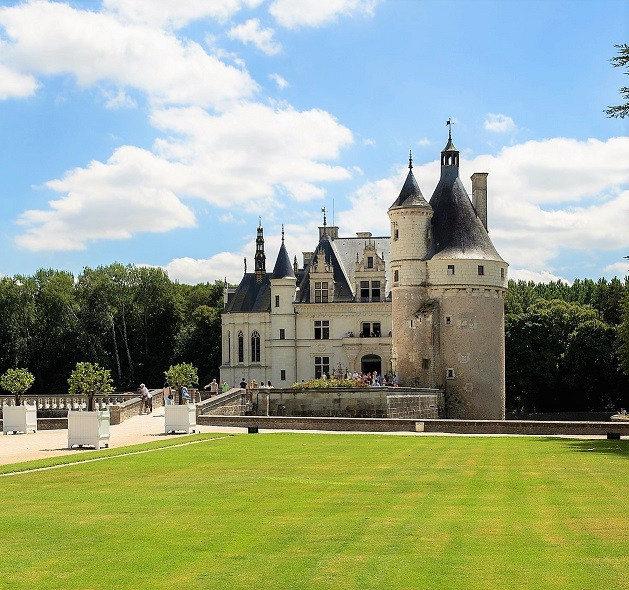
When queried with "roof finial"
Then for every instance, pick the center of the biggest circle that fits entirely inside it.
(260, 221)
(449, 124)
(410, 160)
(324, 218)
(245, 265)
(282, 233)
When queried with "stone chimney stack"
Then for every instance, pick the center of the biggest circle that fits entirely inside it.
(479, 195)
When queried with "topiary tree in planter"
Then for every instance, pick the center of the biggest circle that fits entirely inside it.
(90, 379)
(180, 375)
(17, 382)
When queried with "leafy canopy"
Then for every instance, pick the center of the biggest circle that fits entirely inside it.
(182, 374)
(17, 382)
(621, 60)
(90, 379)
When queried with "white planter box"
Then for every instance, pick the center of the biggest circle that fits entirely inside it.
(88, 428)
(19, 419)
(183, 417)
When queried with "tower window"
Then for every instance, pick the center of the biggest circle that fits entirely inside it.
(322, 365)
(322, 330)
(255, 347)
(502, 273)
(449, 373)
(321, 291)
(282, 333)
(241, 347)
(481, 270)
(425, 364)
(396, 234)
(448, 320)
(283, 375)
(277, 301)
(396, 276)
(450, 269)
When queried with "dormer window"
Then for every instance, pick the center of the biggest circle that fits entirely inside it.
(369, 261)
(481, 270)
(321, 291)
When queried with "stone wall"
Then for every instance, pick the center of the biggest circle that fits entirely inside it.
(521, 427)
(352, 402)
(412, 406)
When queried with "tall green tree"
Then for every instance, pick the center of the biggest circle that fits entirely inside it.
(621, 61)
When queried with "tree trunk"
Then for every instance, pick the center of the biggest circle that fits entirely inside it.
(113, 335)
(126, 344)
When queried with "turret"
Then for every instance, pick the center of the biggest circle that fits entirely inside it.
(260, 257)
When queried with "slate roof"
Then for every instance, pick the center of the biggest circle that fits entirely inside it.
(283, 268)
(411, 194)
(251, 295)
(457, 232)
(342, 288)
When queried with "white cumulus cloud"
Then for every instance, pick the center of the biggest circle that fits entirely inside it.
(499, 123)
(15, 85)
(281, 82)
(253, 32)
(315, 13)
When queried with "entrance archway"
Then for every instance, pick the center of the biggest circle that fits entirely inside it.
(370, 363)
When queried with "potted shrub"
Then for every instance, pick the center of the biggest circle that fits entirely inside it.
(183, 415)
(18, 418)
(89, 427)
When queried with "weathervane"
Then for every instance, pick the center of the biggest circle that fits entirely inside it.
(449, 124)
(282, 233)
(410, 160)
(324, 218)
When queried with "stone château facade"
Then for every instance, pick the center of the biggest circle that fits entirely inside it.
(426, 302)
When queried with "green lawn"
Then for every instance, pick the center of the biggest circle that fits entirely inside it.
(326, 511)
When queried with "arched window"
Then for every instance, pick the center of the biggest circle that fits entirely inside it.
(255, 347)
(241, 347)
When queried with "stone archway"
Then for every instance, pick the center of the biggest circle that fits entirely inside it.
(370, 363)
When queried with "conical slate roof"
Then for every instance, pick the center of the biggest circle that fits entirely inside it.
(411, 194)
(457, 232)
(283, 268)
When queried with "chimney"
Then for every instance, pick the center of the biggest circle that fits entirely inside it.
(479, 195)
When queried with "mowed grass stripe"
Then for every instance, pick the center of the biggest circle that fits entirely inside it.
(328, 511)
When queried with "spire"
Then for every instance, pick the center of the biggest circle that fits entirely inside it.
(411, 194)
(325, 222)
(260, 257)
(449, 154)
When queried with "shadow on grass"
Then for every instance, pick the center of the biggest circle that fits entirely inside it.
(618, 448)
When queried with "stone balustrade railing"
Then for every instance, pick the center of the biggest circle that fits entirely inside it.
(69, 402)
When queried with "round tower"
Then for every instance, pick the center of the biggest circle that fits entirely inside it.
(410, 217)
(467, 282)
(283, 285)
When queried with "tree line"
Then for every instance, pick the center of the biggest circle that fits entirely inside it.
(133, 320)
(566, 345)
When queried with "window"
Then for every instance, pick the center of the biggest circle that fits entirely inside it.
(369, 261)
(450, 269)
(502, 273)
(425, 364)
(255, 347)
(322, 365)
(322, 330)
(448, 320)
(241, 347)
(449, 373)
(396, 276)
(375, 290)
(370, 330)
(277, 301)
(364, 290)
(282, 375)
(481, 270)
(282, 333)
(396, 234)
(321, 291)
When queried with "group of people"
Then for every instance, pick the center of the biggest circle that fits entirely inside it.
(254, 384)
(216, 388)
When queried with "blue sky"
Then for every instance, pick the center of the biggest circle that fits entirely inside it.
(157, 132)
